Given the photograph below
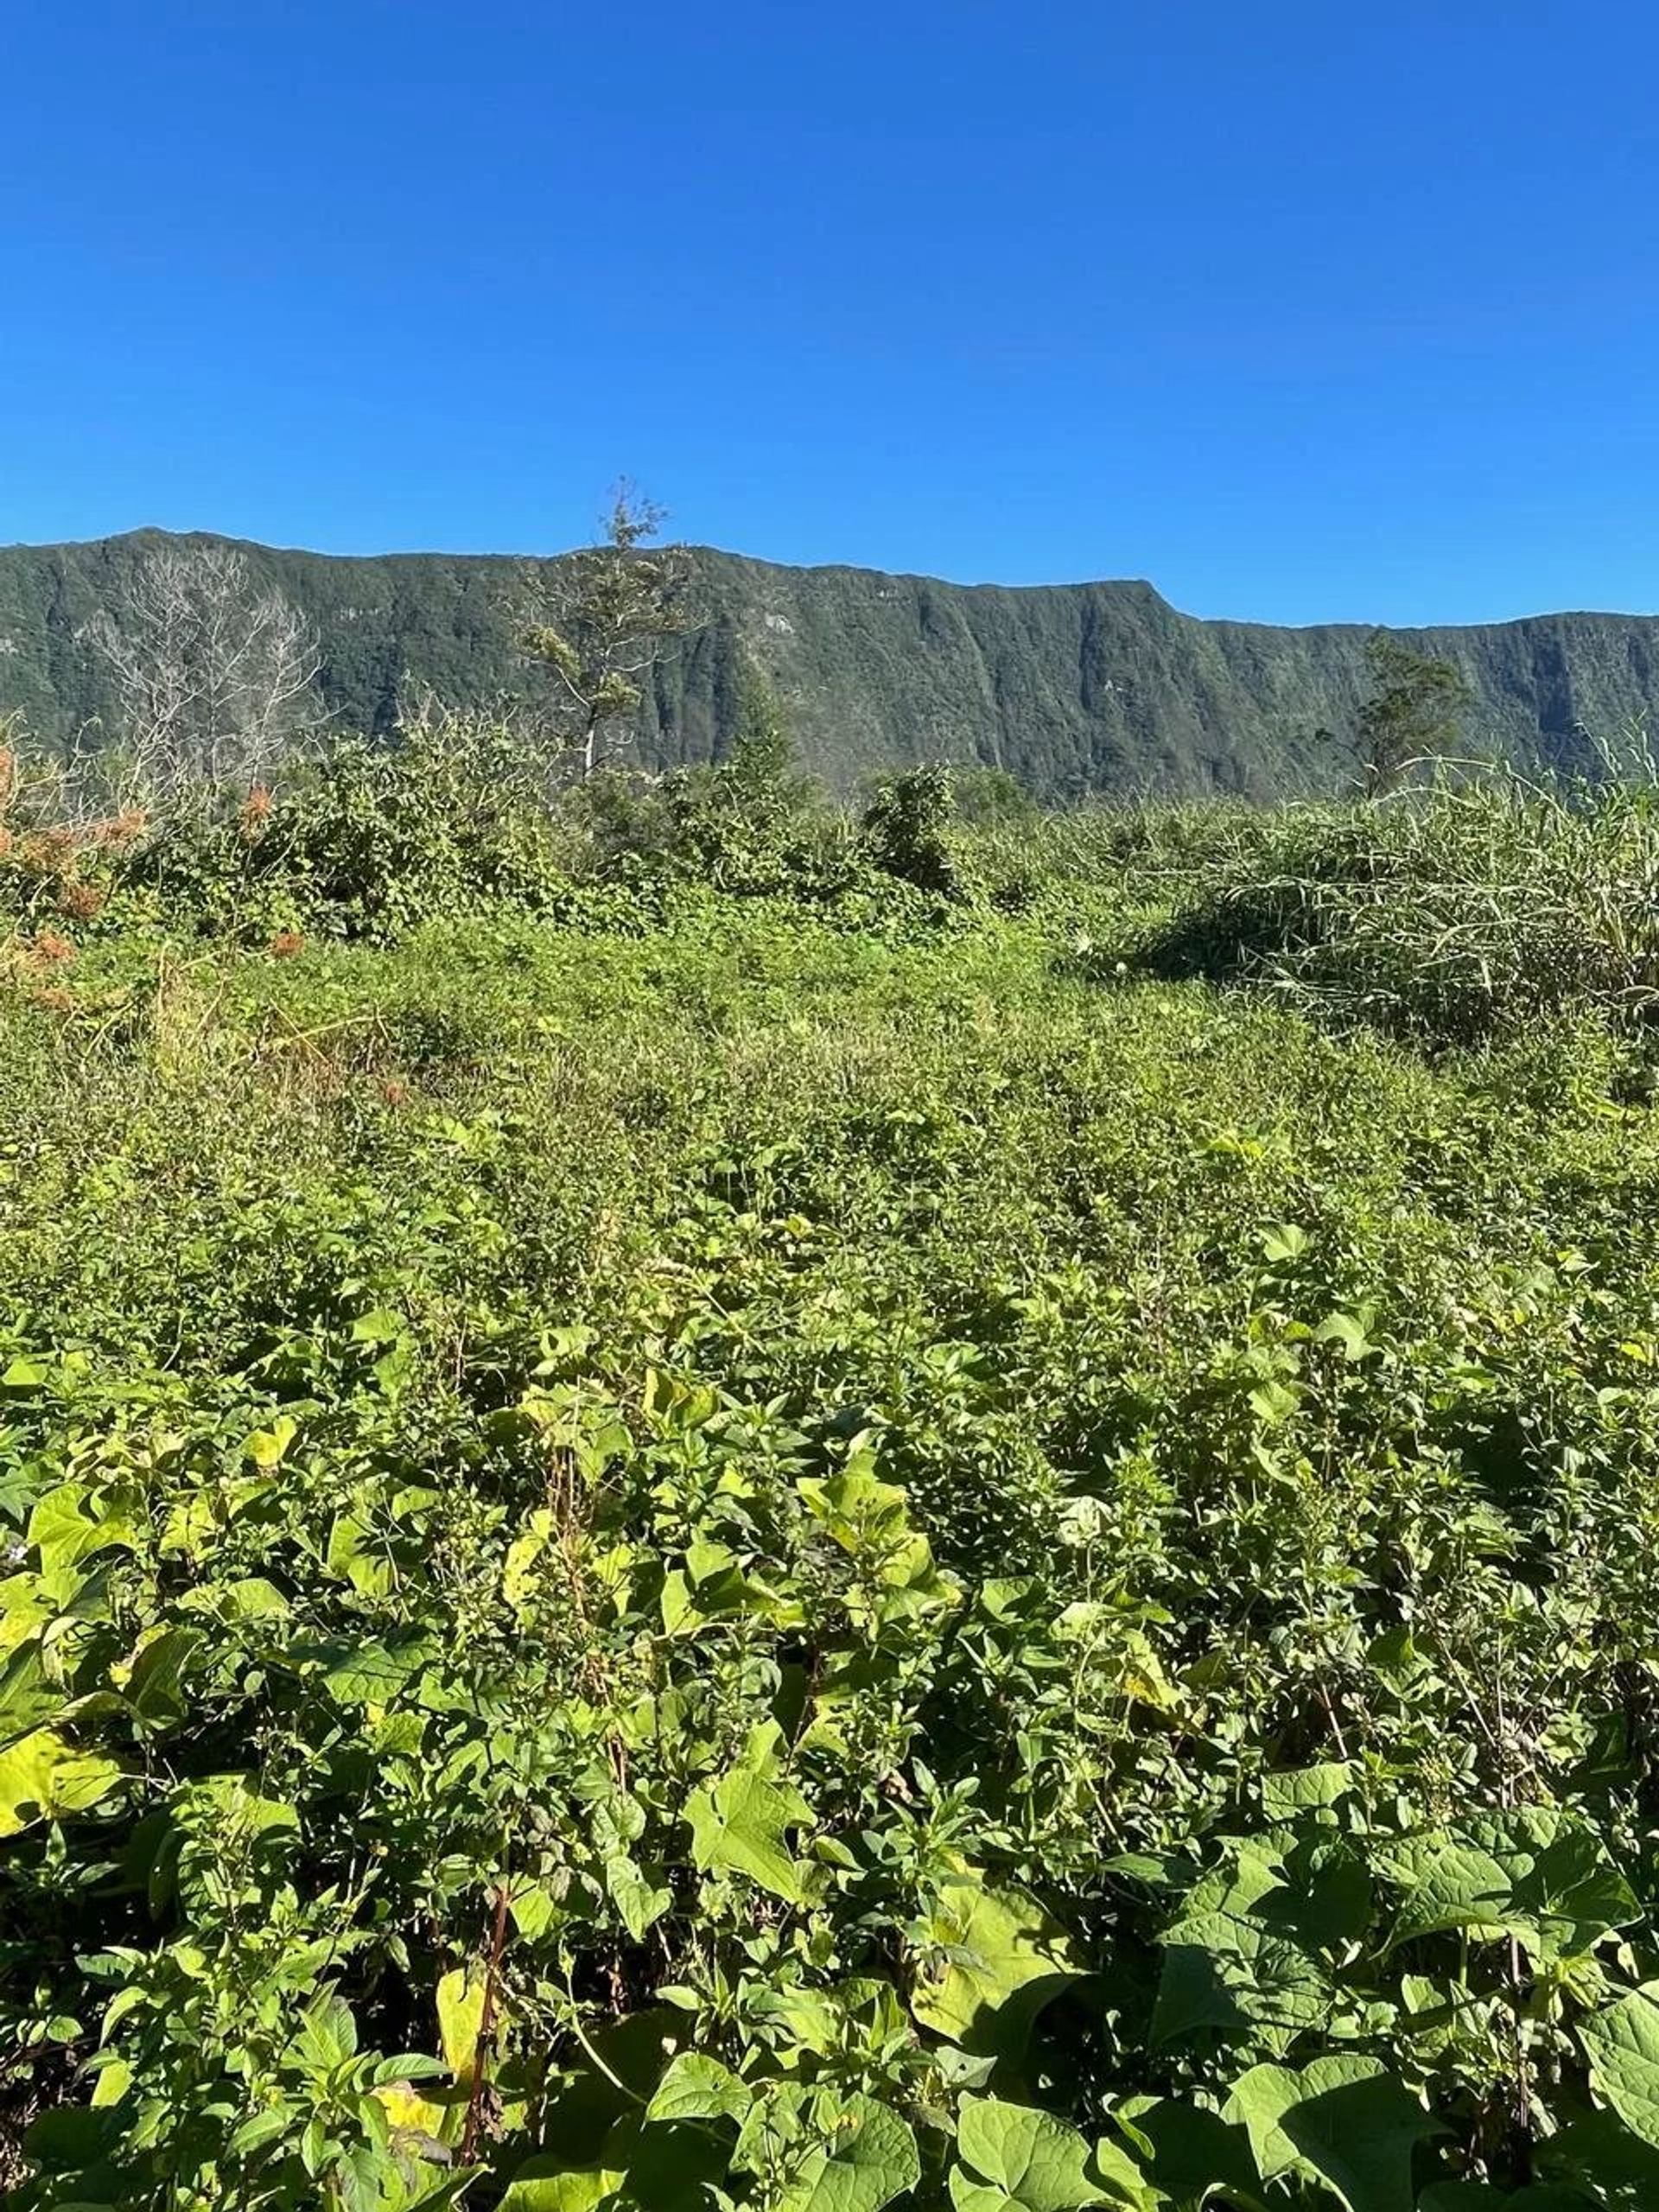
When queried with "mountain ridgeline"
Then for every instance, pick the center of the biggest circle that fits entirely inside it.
(1077, 689)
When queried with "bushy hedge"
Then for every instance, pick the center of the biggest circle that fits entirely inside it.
(366, 840)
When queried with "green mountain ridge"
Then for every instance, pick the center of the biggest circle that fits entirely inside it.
(1076, 689)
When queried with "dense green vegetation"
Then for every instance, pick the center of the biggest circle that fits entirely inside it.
(712, 1506)
(1077, 689)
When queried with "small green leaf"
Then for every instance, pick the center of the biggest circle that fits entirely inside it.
(634, 1896)
(266, 1445)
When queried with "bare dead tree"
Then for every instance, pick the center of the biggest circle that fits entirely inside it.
(605, 616)
(214, 675)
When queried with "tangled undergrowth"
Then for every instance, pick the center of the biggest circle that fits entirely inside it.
(693, 1547)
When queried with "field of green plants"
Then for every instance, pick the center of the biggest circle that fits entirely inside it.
(708, 1508)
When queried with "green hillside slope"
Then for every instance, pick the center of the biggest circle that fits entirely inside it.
(1076, 689)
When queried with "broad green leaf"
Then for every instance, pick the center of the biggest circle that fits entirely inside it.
(697, 2087)
(867, 2157)
(1141, 1672)
(71, 1523)
(741, 1825)
(1311, 1888)
(234, 1798)
(442, 2196)
(520, 1569)
(857, 1507)
(534, 1910)
(540, 2186)
(30, 1697)
(1347, 2122)
(1187, 2152)
(1349, 1331)
(1306, 1789)
(1537, 1874)
(253, 1598)
(374, 1673)
(265, 1446)
(676, 1607)
(1120, 2177)
(43, 1777)
(356, 1553)
(1273, 1402)
(250, 1597)
(672, 2165)
(327, 2037)
(969, 2196)
(25, 1606)
(1622, 2045)
(1035, 2160)
(382, 1326)
(113, 2082)
(1283, 1240)
(1608, 2159)
(1222, 1972)
(630, 2059)
(406, 2108)
(804, 2019)
(460, 2017)
(1006, 1958)
(153, 1684)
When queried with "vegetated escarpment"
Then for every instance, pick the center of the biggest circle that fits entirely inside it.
(1077, 688)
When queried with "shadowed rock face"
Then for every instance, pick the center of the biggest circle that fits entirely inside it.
(1076, 688)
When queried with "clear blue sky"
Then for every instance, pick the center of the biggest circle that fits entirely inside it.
(1304, 311)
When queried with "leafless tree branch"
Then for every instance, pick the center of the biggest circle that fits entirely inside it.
(215, 676)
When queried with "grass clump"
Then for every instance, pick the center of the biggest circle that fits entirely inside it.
(1451, 915)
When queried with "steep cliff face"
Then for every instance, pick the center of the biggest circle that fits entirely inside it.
(1076, 689)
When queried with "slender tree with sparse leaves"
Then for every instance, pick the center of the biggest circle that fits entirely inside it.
(602, 624)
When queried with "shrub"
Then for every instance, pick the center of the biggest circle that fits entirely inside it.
(907, 826)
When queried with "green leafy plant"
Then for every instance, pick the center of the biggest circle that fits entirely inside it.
(679, 1540)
